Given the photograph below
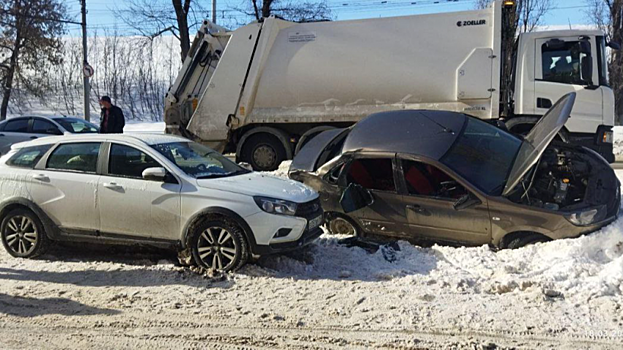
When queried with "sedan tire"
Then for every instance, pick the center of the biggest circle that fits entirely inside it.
(527, 239)
(219, 245)
(23, 235)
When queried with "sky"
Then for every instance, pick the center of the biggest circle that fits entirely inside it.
(100, 15)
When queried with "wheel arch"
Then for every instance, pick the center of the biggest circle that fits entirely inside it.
(281, 135)
(51, 230)
(506, 239)
(203, 214)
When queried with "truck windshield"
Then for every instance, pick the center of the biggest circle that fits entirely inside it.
(198, 161)
(483, 154)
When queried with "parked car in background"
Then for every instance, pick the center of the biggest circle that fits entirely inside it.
(26, 128)
(149, 189)
(444, 176)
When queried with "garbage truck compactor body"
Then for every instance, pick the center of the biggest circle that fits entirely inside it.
(265, 89)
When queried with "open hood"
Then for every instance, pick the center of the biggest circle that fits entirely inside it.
(538, 139)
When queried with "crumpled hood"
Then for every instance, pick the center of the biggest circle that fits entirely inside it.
(258, 184)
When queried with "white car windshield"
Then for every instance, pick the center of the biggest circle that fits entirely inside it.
(198, 161)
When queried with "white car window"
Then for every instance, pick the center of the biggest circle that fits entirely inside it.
(129, 162)
(75, 157)
(28, 157)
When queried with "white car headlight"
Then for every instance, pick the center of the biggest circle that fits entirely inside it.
(276, 206)
(587, 217)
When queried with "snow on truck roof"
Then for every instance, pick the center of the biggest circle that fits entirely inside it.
(420, 132)
(149, 139)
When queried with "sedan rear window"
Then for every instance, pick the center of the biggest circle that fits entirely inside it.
(17, 125)
(28, 157)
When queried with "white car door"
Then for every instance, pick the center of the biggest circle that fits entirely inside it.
(65, 186)
(130, 205)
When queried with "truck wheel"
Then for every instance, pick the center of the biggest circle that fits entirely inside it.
(23, 235)
(219, 244)
(264, 152)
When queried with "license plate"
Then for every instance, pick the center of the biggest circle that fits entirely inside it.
(315, 222)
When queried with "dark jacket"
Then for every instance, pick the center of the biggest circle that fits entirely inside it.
(115, 122)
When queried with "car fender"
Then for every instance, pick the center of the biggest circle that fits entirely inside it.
(51, 229)
(220, 211)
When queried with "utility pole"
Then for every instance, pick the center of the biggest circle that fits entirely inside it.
(214, 11)
(86, 69)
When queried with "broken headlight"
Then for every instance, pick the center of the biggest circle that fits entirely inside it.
(587, 217)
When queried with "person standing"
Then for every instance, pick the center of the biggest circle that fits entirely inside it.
(112, 120)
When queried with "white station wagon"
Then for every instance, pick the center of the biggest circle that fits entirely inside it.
(155, 190)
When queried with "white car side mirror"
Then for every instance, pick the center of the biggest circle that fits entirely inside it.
(154, 174)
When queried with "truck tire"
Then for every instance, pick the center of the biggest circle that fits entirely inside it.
(264, 152)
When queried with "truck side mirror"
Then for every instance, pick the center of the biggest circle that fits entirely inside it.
(587, 70)
(614, 45)
(355, 197)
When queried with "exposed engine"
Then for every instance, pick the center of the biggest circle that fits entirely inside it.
(562, 178)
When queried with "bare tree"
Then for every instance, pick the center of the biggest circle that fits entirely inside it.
(30, 33)
(608, 16)
(152, 18)
(290, 10)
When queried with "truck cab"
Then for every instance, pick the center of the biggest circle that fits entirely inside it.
(550, 64)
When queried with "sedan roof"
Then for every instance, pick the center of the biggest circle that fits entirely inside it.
(418, 132)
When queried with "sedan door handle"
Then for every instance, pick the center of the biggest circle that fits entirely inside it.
(1, 134)
(417, 209)
(33, 137)
(112, 186)
(41, 177)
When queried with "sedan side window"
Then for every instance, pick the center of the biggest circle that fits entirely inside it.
(75, 157)
(129, 162)
(372, 174)
(40, 126)
(17, 125)
(426, 180)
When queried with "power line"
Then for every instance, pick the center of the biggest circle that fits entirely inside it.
(45, 19)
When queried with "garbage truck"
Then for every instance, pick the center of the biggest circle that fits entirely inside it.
(265, 89)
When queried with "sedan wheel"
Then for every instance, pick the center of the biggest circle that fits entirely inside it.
(22, 235)
(341, 226)
(220, 246)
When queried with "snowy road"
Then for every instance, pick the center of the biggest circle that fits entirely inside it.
(562, 294)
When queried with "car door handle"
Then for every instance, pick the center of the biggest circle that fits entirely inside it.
(1, 134)
(112, 186)
(41, 177)
(417, 209)
(33, 137)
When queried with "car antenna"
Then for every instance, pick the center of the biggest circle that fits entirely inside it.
(445, 129)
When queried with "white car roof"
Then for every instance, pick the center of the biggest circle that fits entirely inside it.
(149, 139)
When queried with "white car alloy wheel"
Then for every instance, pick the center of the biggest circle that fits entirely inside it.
(219, 245)
(22, 235)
